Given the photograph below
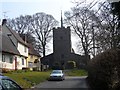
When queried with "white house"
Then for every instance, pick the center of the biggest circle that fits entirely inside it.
(8, 53)
(15, 57)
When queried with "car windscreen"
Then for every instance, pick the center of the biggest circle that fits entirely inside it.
(57, 72)
(9, 85)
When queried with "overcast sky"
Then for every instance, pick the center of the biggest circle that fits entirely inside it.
(15, 8)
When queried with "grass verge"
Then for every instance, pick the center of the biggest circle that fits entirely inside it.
(77, 73)
(28, 79)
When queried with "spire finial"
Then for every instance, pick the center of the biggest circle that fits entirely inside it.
(61, 20)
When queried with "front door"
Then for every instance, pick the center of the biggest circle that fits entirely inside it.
(15, 63)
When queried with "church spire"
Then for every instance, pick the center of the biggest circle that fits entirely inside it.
(61, 20)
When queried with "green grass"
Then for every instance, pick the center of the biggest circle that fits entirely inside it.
(77, 73)
(28, 79)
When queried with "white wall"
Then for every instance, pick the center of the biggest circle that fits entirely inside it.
(19, 62)
(21, 49)
(7, 63)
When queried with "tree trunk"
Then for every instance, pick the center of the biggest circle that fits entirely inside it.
(43, 50)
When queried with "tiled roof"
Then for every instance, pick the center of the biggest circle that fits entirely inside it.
(32, 51)
(17, 36)
(8, 46)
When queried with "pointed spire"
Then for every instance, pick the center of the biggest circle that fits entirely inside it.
(61, 20)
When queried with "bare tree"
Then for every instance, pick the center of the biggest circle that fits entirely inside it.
(116, 11)
(42, 25)
(108, 35)
(83, 21)
(28, 37)
(36, 28)
(20, 24)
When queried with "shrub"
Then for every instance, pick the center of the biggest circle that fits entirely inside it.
(35, 69)
(5, 70)
(26, 69)
(104, 70)
(18, 71)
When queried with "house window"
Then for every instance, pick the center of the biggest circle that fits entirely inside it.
(30, 64)
(3, 58)
(11, 59)
(22, 61)
(25, 49)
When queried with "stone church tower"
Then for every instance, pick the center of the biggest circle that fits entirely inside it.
(61, 44)
(62, 49)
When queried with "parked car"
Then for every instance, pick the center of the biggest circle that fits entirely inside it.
(57, 75)
(8, 84)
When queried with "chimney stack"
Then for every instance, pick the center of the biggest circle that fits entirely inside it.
(4, 22)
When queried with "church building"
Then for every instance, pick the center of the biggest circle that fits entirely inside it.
(62, 50)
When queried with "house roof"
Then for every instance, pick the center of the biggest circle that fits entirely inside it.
(32, 51)
(17, 36)
(8, 46)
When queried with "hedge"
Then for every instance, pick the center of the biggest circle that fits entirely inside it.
(104, 71)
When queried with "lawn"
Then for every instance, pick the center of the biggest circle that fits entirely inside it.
(28, 79)
(76, 72)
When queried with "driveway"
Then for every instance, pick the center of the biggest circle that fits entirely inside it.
(69, 83)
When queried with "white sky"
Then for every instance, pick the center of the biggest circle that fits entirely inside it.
(15, 8)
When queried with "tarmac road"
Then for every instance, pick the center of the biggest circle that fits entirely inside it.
(70, 83)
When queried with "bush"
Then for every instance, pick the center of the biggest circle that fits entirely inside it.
(35, 69)
(5, 70)
(104, 70)
(26, 69)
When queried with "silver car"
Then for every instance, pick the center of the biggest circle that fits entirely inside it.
(57, 75)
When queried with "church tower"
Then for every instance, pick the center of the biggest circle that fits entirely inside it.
(61, 44)
(62, 53)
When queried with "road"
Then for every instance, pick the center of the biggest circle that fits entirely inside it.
(69, 83)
